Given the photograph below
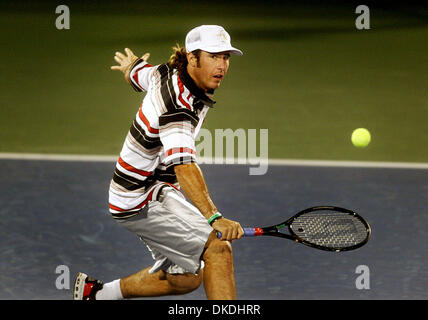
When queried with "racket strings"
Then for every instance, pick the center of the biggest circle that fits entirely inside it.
(330, 229)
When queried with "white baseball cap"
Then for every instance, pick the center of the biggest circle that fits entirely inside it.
(210, 38)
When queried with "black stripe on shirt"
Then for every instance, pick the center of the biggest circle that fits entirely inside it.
(178, 115)
(167, 87)
(142, 138)
(166, 175)
(130, 183)
(134, 86)
(180, 160)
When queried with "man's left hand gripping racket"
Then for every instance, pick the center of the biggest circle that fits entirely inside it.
(323, 227)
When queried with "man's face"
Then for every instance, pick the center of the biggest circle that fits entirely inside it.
(211, 69)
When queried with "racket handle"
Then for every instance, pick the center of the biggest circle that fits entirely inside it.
(253, 232)
(248, 232)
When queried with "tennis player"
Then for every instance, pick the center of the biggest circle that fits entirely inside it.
(157, 166)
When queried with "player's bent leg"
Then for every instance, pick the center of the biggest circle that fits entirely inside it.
(219, 277)
(145, 284)
(184, 283)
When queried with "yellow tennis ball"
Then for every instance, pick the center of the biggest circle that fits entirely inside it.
(360, 137)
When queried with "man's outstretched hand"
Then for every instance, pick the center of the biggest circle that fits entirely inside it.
(126, 60)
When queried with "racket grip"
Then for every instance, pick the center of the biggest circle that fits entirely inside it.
(248, 232)
(252, 232)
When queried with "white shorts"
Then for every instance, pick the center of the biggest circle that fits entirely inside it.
(174, 231)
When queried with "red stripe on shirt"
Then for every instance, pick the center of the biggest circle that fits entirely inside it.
(146, 122)
(180, 97)
(179, 150)
(135, 76)
(171, 185)
(142, 204)
(128, 167)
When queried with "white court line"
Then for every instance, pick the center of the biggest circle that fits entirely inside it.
(352, 164)
(58, 157)
(252, 162)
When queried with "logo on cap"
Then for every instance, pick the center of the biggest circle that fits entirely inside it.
(222, 36)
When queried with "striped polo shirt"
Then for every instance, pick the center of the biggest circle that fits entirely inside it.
(162, 135)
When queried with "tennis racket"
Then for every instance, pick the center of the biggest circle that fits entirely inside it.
(323, 227)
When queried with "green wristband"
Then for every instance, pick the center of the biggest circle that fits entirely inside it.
(214, 217)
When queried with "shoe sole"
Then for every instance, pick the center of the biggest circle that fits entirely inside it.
(79, 286)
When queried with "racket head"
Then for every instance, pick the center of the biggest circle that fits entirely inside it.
(329, 228)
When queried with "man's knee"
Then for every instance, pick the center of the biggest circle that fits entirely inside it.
(184, 283)
(216, 248)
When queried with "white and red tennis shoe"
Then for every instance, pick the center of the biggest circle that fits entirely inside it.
(85, 287)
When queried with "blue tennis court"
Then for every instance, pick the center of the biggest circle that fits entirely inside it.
(55, 213)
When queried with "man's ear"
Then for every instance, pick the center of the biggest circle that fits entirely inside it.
(191, 60)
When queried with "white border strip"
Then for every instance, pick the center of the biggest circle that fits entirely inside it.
(252, 162)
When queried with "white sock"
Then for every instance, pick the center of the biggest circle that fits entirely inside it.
(110, 291)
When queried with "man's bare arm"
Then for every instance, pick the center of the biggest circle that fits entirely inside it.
(193, 184)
